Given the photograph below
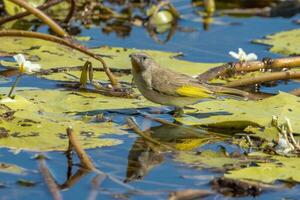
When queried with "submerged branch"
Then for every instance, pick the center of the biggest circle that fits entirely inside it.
(42, 16)
(51, 38)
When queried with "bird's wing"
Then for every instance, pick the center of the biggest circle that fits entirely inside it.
(175, 84)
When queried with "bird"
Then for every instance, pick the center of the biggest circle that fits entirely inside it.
(167, 87)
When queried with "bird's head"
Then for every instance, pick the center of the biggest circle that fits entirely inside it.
(141, 61)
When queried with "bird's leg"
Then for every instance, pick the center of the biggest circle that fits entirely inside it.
(178, 112)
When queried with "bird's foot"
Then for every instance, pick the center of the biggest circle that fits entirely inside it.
(178, 112)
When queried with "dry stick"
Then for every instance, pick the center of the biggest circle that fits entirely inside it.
(86, 162)
(232, 68)
(26, 13)
(84, 158)
(82, 49)
(42, 16)
(138, 131)
(53, 188)
(264, 78)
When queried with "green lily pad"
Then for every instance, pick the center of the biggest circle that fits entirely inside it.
(240, 114)
(217, 160)
(283, 168)
(37, 120)
(286, 43)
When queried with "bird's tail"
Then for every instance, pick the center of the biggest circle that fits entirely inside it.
(228, 92)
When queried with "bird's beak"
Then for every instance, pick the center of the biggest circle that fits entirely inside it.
(134, 63)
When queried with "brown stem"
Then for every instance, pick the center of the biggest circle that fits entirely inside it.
(72, 11)
(68, 43)
(26, 13)
(53, 188)
(230, 69)
(84, 158)
(264, 78)
(42, 16)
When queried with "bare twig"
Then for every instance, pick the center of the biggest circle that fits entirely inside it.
(265, 78)
(229, 69)
(42, 16)
(26, 13)
(84, 158)
(68, 43)
(53, 188)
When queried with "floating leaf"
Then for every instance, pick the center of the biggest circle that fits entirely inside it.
(240, 114)
(283, 168)
(286, 43)
(40, 118)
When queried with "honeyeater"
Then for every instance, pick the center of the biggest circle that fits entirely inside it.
(167, 87)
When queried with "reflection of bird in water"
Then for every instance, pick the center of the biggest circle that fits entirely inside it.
(141, 159)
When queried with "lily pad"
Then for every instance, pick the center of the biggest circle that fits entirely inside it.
(283, 168)
(286, 43)
(34, 124)
(240, 114)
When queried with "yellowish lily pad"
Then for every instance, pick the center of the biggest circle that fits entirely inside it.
(39, 120)
(283, 168)
(240, 114)
(286, 43)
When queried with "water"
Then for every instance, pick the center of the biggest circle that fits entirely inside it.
(165, 175)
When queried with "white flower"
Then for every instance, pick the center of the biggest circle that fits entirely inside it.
(242, 56)
(25, 65)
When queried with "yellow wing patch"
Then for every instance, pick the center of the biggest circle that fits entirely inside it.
(193, 91)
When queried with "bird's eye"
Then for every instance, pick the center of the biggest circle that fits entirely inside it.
(143, 58)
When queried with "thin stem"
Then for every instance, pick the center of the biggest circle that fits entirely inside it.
(14, 85)
(68, 43)
(26, 13)
(72, 11)
(42, 16)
